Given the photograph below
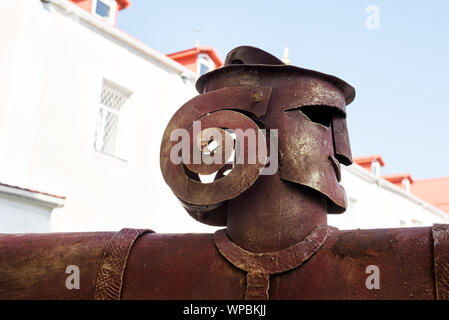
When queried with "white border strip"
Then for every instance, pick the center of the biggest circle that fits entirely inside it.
(42, 199)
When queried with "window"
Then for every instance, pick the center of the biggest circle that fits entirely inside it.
(102, 9)
(406, 185)
(111, 120)
(105, 9)
(205, 64)
(375, 168)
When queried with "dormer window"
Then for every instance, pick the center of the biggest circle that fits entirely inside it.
(205, 64)
(375, 168)
(105, 9)
(406, 185)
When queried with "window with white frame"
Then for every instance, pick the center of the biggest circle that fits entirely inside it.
(105, 9)
(205, 64)
(375, 168)
(111, 120)
(406, 184)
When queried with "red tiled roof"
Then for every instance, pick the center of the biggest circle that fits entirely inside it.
(196, 51)
(123, 4)
(434, 191)
(368, 160)
(398, 177)
(87, 4)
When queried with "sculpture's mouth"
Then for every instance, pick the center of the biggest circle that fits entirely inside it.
(337, 167)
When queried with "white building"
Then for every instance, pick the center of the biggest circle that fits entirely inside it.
(375, 202)
(25, 210)
(83, 107)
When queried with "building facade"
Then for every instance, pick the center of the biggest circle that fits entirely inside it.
(83, 108)
(375, 202)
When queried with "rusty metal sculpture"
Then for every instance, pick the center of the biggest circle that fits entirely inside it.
(277, 244)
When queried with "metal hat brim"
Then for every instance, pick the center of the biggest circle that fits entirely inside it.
(348, 90)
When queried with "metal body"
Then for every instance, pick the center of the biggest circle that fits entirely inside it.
(276, 244)
(190, 266)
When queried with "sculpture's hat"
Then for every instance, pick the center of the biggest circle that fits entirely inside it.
(248, 58)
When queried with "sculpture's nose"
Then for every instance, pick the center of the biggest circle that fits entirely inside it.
(336, 166)
(342, 147)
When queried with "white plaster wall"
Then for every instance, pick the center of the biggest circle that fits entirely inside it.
(24, 31)
(20, 215)
(374, 206)
(104, 193)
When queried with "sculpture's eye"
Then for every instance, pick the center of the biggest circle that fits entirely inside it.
(318, 114)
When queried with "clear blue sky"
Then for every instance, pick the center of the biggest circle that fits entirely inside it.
(400, 71)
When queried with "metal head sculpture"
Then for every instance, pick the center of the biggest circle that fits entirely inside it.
(255, 90)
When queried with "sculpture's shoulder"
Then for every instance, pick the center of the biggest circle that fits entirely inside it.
(374, 242)
(172, 250)
(174, 241)
(33, 266)
(131, 263)
(403, 258)
(180, 266)
(394, 241)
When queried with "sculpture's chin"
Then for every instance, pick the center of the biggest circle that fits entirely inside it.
(340, 206)
(334, 192)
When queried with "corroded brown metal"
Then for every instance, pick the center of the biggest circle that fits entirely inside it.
(259, 266)
(295, 91)
(189, 266)
(32, 266)
(276, 244)
(441, 260)
(242, 176)
(336, 271)
(110, 274)
(306, 144)
(341, 137)
(205, 202)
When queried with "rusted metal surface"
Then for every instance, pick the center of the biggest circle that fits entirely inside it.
(336, 271)
(341, 137)
(190, 266)
(32, 266)
(110, 274)
(205, 202)
(192, 191)
(276, 244)
(441, 260)
(302, 143)
(260, 266)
